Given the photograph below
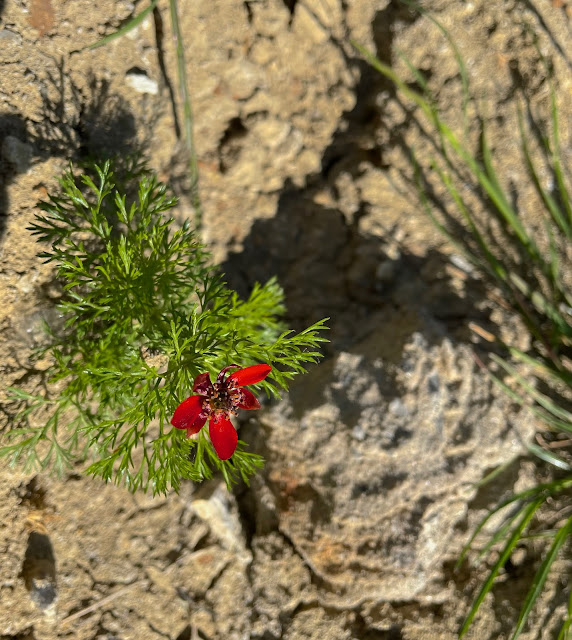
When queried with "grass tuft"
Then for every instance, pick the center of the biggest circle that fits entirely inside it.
(528, 271)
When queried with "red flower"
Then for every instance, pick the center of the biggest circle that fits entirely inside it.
(218, 402)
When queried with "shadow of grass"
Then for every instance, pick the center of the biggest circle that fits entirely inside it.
(81, 124)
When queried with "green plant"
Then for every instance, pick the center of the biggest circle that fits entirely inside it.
(143, 314)
(529, 271)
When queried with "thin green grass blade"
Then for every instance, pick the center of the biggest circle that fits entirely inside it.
(493, 474)
(540, 398)
(548, 456)
(555, 152)
(541, 575)
(522, 306)
(513, 219)
(430, 101)
(491, 189)
(542, 304)
(541, 535)
(552, 422)
(499, 534)
(418, 77)
(489, 182)
(188, 114)
(493, 265)
(511, 393)
(541, 490)
(542, 367)
(549, 202)
(429, 98)
(429, 211)
(504, 556)
(138, 19)
(562, 189)
(543, 415)
(456, 53)
(461, 247)
(554, 275)
(390, 74)
(565, 630)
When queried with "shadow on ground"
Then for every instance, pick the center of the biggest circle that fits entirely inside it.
(15, 157)
(87, 124)
(327, 266)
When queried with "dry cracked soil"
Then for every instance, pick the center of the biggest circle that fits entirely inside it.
(353, 528)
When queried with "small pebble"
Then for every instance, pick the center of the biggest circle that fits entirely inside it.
(142, 83)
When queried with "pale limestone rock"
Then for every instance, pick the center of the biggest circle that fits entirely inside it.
(142, 83)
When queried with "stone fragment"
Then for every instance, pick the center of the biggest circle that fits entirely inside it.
(379, 483)
(142, 83)
(198, 570)
(9, 37)
(218, 513)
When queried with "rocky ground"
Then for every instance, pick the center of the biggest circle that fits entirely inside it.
(354, 527)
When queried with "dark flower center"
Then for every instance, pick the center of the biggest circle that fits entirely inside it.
(224, 398)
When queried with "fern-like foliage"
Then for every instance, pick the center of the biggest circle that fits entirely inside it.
(144, 312)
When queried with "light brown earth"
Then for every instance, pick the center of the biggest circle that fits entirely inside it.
(353, 529)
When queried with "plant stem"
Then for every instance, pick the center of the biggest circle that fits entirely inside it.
(187, 114)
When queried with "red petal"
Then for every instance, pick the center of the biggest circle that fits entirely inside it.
(223, 436)
(247, 400)
(203, 385)
(250, 375)
(189, 415)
